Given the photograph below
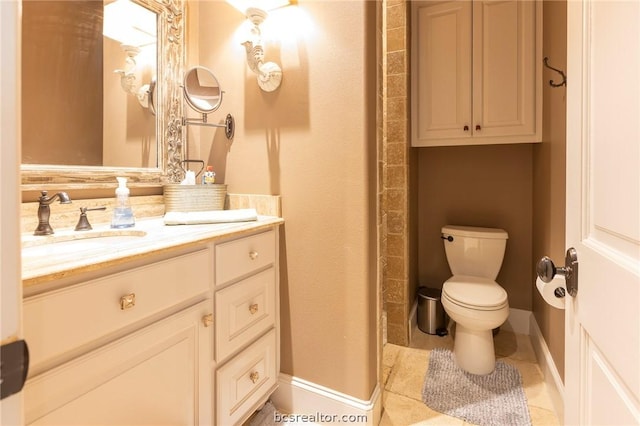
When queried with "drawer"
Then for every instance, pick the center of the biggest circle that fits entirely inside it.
(246, 380)
(241, 257)
(244, 310)
(63, 320)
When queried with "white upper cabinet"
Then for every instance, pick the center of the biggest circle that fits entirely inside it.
(476, 72)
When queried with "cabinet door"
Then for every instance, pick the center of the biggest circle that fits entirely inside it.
(160, 374)
(476, 72)
(441, 71)
(504, 71)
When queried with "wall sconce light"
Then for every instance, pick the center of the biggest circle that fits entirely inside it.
(133, 26)
(269, 73)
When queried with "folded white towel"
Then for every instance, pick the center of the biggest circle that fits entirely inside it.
(210, 216)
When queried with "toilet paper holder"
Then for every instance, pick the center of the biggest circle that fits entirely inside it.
(546, 270)
(559, 292)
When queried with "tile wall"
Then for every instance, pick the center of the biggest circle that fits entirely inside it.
(394, 163)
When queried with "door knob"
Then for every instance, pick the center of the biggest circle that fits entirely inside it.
(546, 270)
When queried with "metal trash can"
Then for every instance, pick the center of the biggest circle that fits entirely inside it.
(431, 314)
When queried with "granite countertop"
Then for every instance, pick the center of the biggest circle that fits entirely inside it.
(69, 252)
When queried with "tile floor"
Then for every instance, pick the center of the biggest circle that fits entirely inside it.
(405, 368)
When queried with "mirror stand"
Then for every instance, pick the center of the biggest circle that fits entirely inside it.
(229, 124)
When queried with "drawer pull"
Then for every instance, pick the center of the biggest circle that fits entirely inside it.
(253, 308)
(128, 301)
(253, 254)
(254, 377)
(207, 320)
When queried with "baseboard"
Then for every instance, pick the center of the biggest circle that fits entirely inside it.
(316, 404)
(413, 319)
(551, 375)
(523, 322)
(518, 321)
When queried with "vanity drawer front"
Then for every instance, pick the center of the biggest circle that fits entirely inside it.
(246, 380)
(244, 311)
(63, 320)
(244, 256)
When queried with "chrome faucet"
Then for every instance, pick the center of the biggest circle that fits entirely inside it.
(44, 211)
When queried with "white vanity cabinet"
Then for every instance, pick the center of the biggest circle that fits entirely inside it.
(186, 336)
(247, 325)
(131, 347)
(476, 72)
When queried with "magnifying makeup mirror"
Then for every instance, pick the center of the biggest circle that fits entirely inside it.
(204, 95)
(202, 90)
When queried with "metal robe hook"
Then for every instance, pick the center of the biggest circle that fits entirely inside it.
(564, 76)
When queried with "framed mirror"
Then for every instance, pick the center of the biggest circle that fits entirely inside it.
(123, 87)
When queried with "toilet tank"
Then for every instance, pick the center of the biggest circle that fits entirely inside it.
(474, 251)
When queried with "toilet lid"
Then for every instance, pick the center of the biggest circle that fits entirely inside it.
(480, 293)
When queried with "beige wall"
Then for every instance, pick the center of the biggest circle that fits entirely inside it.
(128, 129)
(70, 108)
(62, 105)
(313, 142)
(488, 186)
(549, 176)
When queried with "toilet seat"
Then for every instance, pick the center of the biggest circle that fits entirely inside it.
(475, 293)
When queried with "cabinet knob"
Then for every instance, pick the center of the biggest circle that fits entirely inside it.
(253, 255)
(207, 320)
(128, 301)
(253, 308)
(465, 128)
(254, 376)
(478, 127)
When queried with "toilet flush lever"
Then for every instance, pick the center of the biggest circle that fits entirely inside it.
(547, 270)
(448, 238)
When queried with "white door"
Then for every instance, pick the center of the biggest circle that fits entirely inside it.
(10, 288)
(602, 357)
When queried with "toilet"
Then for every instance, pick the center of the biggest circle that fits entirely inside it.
(471, 297)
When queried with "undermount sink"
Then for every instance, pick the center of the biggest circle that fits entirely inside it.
(70, 242)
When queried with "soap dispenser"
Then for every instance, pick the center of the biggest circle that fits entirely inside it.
(122, 215)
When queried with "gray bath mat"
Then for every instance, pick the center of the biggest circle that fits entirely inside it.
(496, 399)
(264, 417)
